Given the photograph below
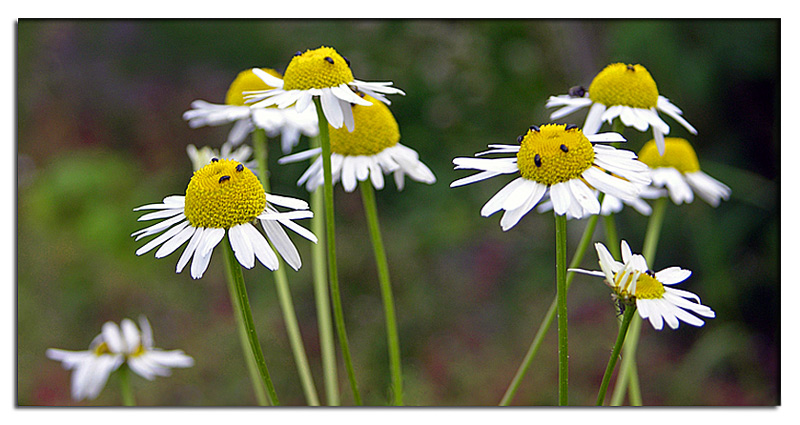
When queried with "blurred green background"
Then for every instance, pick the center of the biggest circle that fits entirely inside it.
(100, 132)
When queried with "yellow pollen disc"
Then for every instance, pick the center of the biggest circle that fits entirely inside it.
(376, 130)
(247, 81)
(554, 154)
(223, 194)
(317, 69)
(648, 287)
(102, 349)
(627, 85)
(139, 351)
(678, 154)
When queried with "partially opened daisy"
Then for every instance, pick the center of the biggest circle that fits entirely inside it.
(625, 91)
(288, 122)
(368, 152)
(201, 157)
(224, 197)
(322, 73)
(651, 292)
(678, 170)
(560, 161)
(108, 351)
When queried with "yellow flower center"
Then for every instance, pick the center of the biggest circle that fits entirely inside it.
(647, 286)
(554, 153)
(678, 154)
(247, 81)
(223, 194)
(102, 349)
(376, 130)
(317, 69)
(627, 85)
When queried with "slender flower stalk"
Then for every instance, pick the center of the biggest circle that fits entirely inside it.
(125, 386)
(561, 309)
(612, 361)
(282, 286)
(333, 271)
(371, 210)
(235, 272)
(527, 361)
(321, 296)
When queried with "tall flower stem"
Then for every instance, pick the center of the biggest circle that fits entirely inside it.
(282, 286)
(561, 308)
(320, 278)
(628, 376)
(237, 281)
(612, 361)
(527, 361)
(125, 386)
(371, 210)
(333, 271)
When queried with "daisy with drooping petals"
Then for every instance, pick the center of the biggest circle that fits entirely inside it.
(625, 91)
(288, 122)
(108, 351)
(562, 160)
(225, 197)
(322, 73)
(368, 152)
(678, 170)
(651, 292)
(201, 157)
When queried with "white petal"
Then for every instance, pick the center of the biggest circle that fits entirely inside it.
(240, 243)
(188, 252)
(282, 243)
(331, 108)
(673, 275)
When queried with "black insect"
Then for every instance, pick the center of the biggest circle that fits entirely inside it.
(537, 160)
(347, 61)
(564, 148)
(534, 128)
(329, 59)
(620, 307)
(240, 167)
(630, 68)
(519, 139)
(224, 178)
(577, 91)
(570, 127)
(298, 53)
(214, 159)
(650, 273)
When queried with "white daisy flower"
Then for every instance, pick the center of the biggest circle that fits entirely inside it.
(225, 197)
(108, 351)
(613, 205)
(678, 170)
(201, 157)
(368, 152)
(560, 160)
(289, 123)
(624, 91)
(323, 73)
(634, 283)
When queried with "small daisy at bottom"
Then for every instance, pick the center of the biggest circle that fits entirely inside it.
(225, 197)
(560, 161)
(651, 292)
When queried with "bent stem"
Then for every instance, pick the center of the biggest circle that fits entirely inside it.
(628, 376)
(527, 361)
(125, 386)
(612, 361)
(371, 210)
(333, 272)
(237, 281)
(282, 286)
(561, 308)
(318, 261)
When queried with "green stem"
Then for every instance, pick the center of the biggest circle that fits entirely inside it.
(252, 368)
(628, 376)
(125, 386)
(371, 210)
(333, 272)
(561, 308)
(282, 286)
(612, 240)
(612, 361)
(235, 272)
(318, 265)
(527, 361)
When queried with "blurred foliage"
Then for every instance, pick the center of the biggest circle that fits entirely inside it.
(100, 132)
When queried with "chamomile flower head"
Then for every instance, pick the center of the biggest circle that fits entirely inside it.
(288, 123)
(678, 170)
(224, 197)
(625, 91)
(114, 346)
(651, 292)
(201, 157)
(369, 151)
(322, 73)
(559, 161)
